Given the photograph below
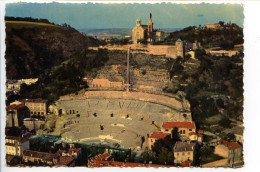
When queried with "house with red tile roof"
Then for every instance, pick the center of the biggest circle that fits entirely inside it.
(184, 127)
(154, 137)
(230, 150)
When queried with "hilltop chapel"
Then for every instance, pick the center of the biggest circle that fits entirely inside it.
(146, 33)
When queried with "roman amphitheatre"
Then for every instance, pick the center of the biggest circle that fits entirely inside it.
(124, 118)
(117, 117)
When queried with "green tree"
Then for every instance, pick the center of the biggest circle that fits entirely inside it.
(175, 135)
(225, 122)
(148, 156)
(205, 151)
(165, 157)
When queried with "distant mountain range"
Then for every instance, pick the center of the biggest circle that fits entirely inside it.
(116, 32)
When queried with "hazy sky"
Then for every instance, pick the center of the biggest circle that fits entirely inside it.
(165, 15)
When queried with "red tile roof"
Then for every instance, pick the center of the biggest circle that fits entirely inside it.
(14, 107)
(106, 160)
(200, 131)
(178, 125)
(185, 164)
(65, 160)
(230, 145)
(103, 156)
(125, 164)
(158, 135)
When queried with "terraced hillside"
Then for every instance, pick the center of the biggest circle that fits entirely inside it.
(145, 70)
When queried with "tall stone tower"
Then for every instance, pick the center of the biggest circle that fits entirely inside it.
(179, 47)
(150, 29)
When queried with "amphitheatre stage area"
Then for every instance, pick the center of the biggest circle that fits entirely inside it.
(116, 118)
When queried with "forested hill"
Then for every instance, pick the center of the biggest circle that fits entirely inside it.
(225, 37)
(33, 46)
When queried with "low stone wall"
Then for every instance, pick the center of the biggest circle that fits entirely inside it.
(167, 50)
(160, 99)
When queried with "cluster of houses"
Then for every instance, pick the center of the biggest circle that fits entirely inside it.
(186, 149)
(15, 85)
(19, 147)
(19, 112)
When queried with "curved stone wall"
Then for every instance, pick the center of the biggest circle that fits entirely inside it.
(125, 117)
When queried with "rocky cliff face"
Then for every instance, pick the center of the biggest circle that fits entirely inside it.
(33, 47)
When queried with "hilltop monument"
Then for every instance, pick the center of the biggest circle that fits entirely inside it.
(146, 33)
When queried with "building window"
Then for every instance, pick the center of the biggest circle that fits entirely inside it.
(190, 129)
(183, 153)
(183, 131)
(178, 153)
(188, 153)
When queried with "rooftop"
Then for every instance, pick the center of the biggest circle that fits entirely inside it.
(65, 160)
(183, 146)
(18, 138)
(230, 145)
(186, 164)
(41, 155)
(200, 131)
(158, 135)
(179, 40)
(178, 125)
(14, 107)
(102, 157)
